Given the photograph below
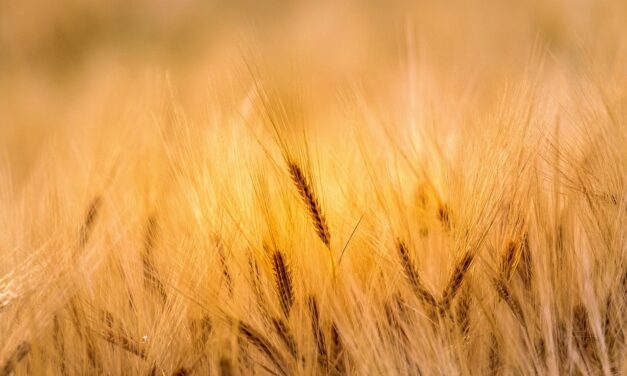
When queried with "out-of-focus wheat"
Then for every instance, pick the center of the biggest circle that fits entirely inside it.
(468, 216)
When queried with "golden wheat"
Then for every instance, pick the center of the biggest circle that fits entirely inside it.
(308, 189)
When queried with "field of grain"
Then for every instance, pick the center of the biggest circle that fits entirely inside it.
(313, 188)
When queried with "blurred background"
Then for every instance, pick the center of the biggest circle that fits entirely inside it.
(73, 64)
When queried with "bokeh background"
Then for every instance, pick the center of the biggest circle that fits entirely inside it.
(69, 65)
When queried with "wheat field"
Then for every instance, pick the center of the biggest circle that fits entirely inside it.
(313, 188)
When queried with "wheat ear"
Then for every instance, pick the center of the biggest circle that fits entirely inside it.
(90, 220)
(456, 280)
(317, 332)
(286, 336)
(283, 280)
(225, 367)
(22, 350)
(307, 194)
(151, 278)
(263, 345)
(413, 277)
